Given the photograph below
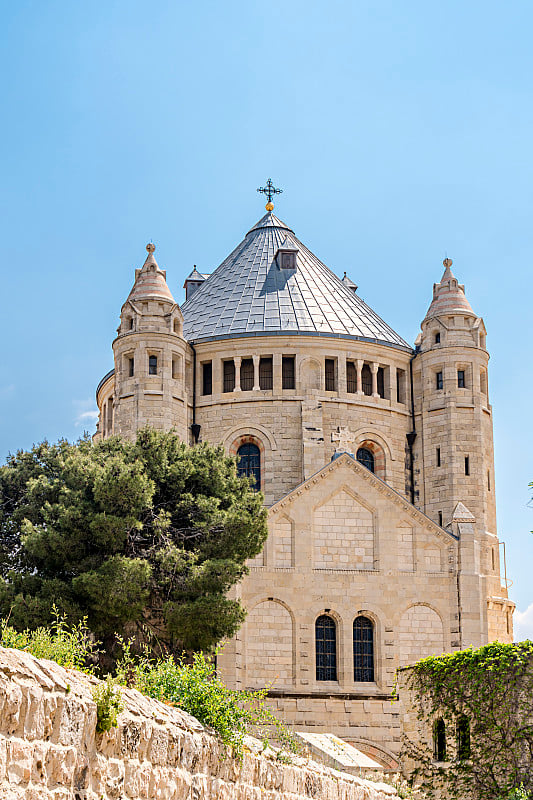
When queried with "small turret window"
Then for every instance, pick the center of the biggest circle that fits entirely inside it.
(467, 465)
(461, 383)
(131, 323)
(131, 367)
(437, 338)
(152, 365)
(439, 382)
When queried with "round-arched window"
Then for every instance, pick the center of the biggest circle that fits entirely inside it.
(363, 649)
(366, 458)
(249, 463)
(326, 648)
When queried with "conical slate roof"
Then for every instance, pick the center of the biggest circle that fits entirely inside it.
(448, 295)
(248, 294)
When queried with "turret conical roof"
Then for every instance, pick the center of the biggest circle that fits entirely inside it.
(448, 295)
(150, 281)
(250, 294)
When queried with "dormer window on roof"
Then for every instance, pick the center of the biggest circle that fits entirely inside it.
(286, 255)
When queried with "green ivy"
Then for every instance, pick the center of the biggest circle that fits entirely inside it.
(492, 689)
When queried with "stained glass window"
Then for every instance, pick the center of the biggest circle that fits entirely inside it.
(363, 649)
(366, 458)
(249, 463)
(326, 648)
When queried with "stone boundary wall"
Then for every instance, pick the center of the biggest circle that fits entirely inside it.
(49, 749)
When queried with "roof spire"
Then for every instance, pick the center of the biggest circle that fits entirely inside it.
(269, 190)
(447, 264)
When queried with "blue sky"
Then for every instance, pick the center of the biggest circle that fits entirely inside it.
(400, 132)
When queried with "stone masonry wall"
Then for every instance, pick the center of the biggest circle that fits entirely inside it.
(49, 749)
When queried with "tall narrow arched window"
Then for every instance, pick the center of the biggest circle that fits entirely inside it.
(249, 463)
(366, 379)
(326, 648)
(463, 738)
(439, 740)
(366, 458)
(363, 649)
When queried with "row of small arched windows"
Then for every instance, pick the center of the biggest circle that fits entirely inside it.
(249, 462)
(462, 734)
(326, 649)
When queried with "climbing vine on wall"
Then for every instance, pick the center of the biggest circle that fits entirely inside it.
(475, 711)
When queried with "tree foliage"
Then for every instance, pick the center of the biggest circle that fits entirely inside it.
(149, 534)
(484, 697)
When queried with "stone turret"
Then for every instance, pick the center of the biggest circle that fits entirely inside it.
(451, 398)
(150, 354)
(454, 445)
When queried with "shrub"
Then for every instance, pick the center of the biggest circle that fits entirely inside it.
(68, 646)
(195, 688)
(109, 704)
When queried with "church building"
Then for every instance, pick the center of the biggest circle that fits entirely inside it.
(375, 458)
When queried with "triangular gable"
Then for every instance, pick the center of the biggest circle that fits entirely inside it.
(347, 463)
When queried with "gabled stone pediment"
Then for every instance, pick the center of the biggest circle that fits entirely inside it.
(346, 471)
(462, 514)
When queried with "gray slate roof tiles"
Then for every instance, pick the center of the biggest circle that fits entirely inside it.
(248, 294)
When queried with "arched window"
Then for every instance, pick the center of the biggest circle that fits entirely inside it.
(366, 458)
(326, 648)
(463, 738)
(249, 463)
(363, 649)
(439, 740)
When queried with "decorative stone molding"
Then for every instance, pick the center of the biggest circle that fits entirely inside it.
(345, 460)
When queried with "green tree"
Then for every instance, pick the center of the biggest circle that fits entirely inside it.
(140, 535)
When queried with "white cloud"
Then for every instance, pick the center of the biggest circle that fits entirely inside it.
(523, 624)
(86, 416)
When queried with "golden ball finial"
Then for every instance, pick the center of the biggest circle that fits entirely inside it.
(270, 206)
(150, 247)
(447, 262)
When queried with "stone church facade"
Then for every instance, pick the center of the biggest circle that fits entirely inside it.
(375, 459)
